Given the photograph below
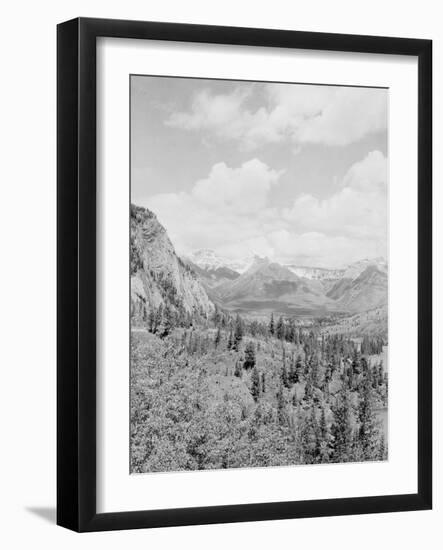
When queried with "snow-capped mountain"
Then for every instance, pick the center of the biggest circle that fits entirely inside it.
(208, 259)
(316, 273)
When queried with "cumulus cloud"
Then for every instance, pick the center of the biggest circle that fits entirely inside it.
(335, 116)
(230, 211)
(358, 209)
(230, 205)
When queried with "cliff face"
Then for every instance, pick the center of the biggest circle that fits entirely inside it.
(158, 275)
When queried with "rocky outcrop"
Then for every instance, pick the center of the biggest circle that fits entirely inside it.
(159, 278)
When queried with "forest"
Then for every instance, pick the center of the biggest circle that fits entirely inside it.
(228, 392)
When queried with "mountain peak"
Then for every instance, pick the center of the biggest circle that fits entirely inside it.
(207, 258)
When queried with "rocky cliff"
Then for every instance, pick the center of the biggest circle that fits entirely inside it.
(159, 278)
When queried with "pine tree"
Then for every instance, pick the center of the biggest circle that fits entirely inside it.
(216, 316)
(290, 333)
(151, 320)
(263, 383)
(368, 430)
(293, 377)
(249, 361)
(280, 329)
(342, 429)
(309, 438)
(284, 376)
(282, 414)
(271, 325)
(324, 447)
(298, 368)
(217, 337)
(230, 340)
(166, 323)
(238, 333)
(255, 384)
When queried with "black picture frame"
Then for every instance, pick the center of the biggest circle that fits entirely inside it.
(76, 279)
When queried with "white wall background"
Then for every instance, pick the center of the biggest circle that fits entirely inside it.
(27, 288)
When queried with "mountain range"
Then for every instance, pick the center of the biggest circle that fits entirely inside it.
(261, 284)
(253, 286)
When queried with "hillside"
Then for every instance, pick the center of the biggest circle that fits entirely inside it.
(268, 286)
(368, 290)
(159, 278)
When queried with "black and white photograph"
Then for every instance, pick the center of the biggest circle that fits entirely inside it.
(258, 274)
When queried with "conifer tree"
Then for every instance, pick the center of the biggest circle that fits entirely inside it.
(217, 337)
(255, 384)
(368, 430)
(290, 333)
(238, 333)
(293, 377)
(166, 322)
(324, 447)
(309, 437)
(151, 320)
(298, 368)
(342, 428)
(249, 361)
(284, 376)
(230, 340)
(271, 325)
(280, 329)
(282, 414)
(263, 383)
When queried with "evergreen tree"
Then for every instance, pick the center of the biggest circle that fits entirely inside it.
(166, 323)
(284, 376)
(293, 376)
(216, 315)
(280, 329)
(263, 383)
(290, 333)
(249, 361)
(298, 368)
(230, 340)
(309, 438)
(342, 429)
(324, 446)
(368, 430)
(271, 325)
(255, 384)
(282, 414)
(309, 390)
(238, 333)
(217, 337)
(151, 320)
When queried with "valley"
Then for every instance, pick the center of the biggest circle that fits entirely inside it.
(255, 362)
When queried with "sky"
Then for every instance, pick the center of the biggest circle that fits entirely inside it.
(294, 172)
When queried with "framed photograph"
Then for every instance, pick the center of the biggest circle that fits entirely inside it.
(244, 274)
